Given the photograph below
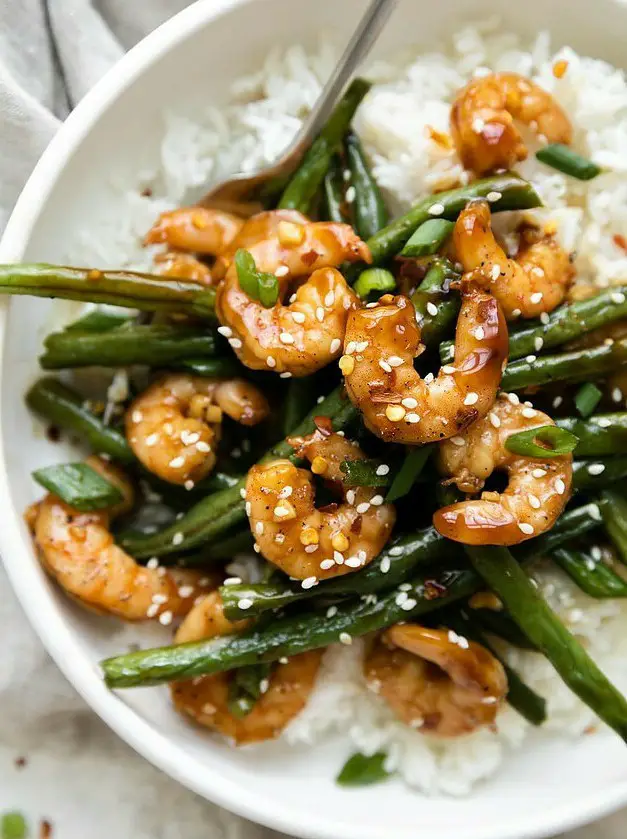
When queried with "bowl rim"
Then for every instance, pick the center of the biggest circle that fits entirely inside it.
(37, 601)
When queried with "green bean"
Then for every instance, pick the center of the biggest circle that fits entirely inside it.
(434, 291)
(306, 181)
(395, 564)
(214, 515)
(80, 486)
(523, 601)
(516, 194)
(65, 408)
(614, 513)
(221, 368)
(411, 467)
(568, 161)
(245, 688)
(594, 474)
(297, 403)
(99, 320)
(564, 324)
(594, 577)
(599, 436)
(156, 345)
(365, 473)
(334, 192)
(499, 623)
(217, 553)
(428, 238)
(576, 366)
(118, 288)
(369, 208)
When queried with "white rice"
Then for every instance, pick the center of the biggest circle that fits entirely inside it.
(413, 94)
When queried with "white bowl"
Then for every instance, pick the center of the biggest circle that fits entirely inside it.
(551, 785)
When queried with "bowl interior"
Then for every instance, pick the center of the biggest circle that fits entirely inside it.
(549, 785)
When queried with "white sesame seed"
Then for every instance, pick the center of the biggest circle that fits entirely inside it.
(471, 398)
(152, 439)
(259, 528)
(603, 422)
(332, 611)
(494, 196)
(309, 549)
(410, 403)
(617, 297)
(383, 469)
(201, 446)
(159, 599)
(363, 507)
(432, 309)
(335, 345)
(516, 313)
(496, 271)
(529, 413)
(544, 318)
(271, 361)
(385, 564)
(400, 598)
(286, 491)
(226, 331)
(152, 610)
(360, 346)
(617, 394)
(409, 604)
(345, 638)
(479, 333)
(436, 209)
(448, 369)
(186, 591)
(396, 550)
(534, 501)
(596, 553)
(412, 418)
(351, 194)
(557, 401)
(177, 462)
(525, 528)
(298, 317)
(513, 398)
(248, 507)
(346, 174)
(329, 299)
(235, 343)
(538, 473)
(531, 358)
(494, 419)
(137, 416)
(232, 581)
(536, 297)
(292, 298)
(595, 512)
(326, 564)
(538, 343)
(376, 500)
(350, 496)
(458, 441)
(189, 484)
(286, 375)
(385, 366)
(177, 538)
(309, 582)
(596, 468)
(153, 562)
(286, 338)
(395, 361)
(242, 493)
(244, 603)
(353, 562)
(338, 558)
(281, 271)
(478, 125)
(165, 618)
(319, 314)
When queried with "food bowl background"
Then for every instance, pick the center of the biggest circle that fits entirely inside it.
(549, 786)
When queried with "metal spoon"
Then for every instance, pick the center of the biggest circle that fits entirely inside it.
(238, 192)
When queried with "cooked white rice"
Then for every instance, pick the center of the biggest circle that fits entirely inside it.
(412, 95)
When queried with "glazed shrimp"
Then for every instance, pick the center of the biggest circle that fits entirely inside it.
(537, 490)
(315, 544)
(78, 550)
(397, 405)
(482, 120)
(195, 229)
(536, 281)
(305, 335)
(436, 681)
(183, 266)
(173, 427)
(205, 699)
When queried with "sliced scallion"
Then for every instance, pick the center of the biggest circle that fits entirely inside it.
(361, 770)
(565, 160)
(545, 441)
(373, 280)
(587, 398)
(78, 485)
(364, 473)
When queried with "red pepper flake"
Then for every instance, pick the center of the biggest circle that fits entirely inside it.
(146, 192)
(620, 241)
(329, 508)
(356, 525)
(433, 590)
(559, 68)
(20, 762)
(324, 425)
(309, 258)
(45, 829)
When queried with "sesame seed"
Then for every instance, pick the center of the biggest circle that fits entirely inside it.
(538, 473)
(496, 271)
(479, 333)
(338, 558)
(226, 331)
(165, 618)
(471, 398)
(557, 401)
(346, 174)
(376, 500)
(152, 439)
(385, 366)
(410, 403)
(232, 581)
(137, 416)
(345, 638)
(596, 553)
(603, 422)
(152, 610)
(385, 564)
(235, 343)
(534, 501)
(596, 468)
(351, 347)
(153, 562)
(536, 297)
(259, 528)
(363, 507)
(201, 446)
(319, 314)
(286, 338)
(436, 209)
(513, 398)
(177, 538)
(383, 469)
(617, 297)
(309, 582)
(242, 493)
(494, 196)
(292, 298)
(595, 513)
(360, 346)
(248, 507)
(432, 309)
(458, 441)
(395, 361)
(617, 394)
(353, 562)
(396, 550)
(286, 491)
(409, 604)
(531, 358)
(282, 271)
(189, 484)
(335, 345)
(525, 528)
(516, 313)
(529, 413)
(177, 462)
(412, 418)
(351, 194)
(428, 378)
(496, 422)
(448, 369)
(350, 496)
(544, 318)
(186, 591)
(286, 375)
(538, 343)
(298, 317)
(309, 549)
(332, 611)
(271, 361)
(160, 599)
(329, 299)
(326, 564)
(400, 598)
(244, 603)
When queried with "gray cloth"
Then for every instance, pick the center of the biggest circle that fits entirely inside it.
(78, 774)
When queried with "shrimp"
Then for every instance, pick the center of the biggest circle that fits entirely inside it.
(313, 544)
(305, 335)
(397, 404)
(538, 489)
(183, 266)
(78, 550)
(535, 282)
(173, 427)
(482, 120)
(435, 680)
(206, 698)
(196, 229)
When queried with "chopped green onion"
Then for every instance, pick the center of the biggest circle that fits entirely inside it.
(587, 398)
(256, 284)
(364, 473)
(361, 770)
(374, 280)
(565, 160)
(545, 441)
(98, 320)
(13, 826)
(406, 476)
(246, 686)
(428, 238)
(80, 486)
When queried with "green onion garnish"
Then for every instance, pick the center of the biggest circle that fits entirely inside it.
(428, 238)
(364, 473)
(565, 160)
(545, 441)
(408, 473)
(256, 284)
(587, 398)
(361, 770)
(79, 485)
(374, 280)
(246, 686)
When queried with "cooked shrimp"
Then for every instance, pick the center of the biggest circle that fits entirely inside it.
(435, 680)
(536, 281)
(205, 698)
(305, 335)
(78, 550)
(173, 427)
(195, 229)
(397, 404)
(314, 544)
(482, 120)
(183, 266)
(537, 490)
